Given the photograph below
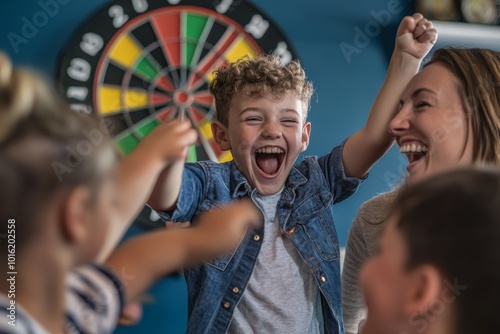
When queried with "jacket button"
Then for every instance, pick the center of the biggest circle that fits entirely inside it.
(323, 279)
(256, 237)
(290, 231)
(236, 290)
(226, 305)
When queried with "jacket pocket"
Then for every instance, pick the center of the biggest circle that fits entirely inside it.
(220, 262)
(315, 217)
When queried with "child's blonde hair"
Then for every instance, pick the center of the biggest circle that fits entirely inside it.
(45, 148)
(262, 75)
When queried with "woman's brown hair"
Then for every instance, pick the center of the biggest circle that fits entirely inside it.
(478, 77)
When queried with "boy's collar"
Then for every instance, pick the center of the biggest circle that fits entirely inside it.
(240, 186)
(295, 179)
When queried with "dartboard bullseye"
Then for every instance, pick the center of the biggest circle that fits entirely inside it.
(142, 62)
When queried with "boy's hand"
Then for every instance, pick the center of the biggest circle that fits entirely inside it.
(416, 36)
(171, 140)
(221, 229)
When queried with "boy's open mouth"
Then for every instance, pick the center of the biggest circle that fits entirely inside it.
(413, 152)
(269, 159)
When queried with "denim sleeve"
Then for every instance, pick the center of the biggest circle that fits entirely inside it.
(191, 194)
(340, 185)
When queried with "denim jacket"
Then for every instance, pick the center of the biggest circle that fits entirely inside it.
(305, 216)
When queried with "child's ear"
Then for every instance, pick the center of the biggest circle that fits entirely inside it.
(74, 222)
(306, 132)
(221, 135)
(425, 289)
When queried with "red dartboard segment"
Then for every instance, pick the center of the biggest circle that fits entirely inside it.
(215, 148)
(156, 99)
(166, 113)
(165, 84)
(197, 115)
(141, 65)
(168, 29)
(204, 98)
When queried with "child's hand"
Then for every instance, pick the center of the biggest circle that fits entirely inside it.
(131, 314)
(171, 140)
(222, 229)
(415, 36)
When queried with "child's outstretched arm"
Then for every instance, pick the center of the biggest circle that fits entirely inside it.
(415, 38)
(150, 256)
(138, 172)
(166, 191)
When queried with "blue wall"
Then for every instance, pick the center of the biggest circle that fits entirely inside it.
(344, 90)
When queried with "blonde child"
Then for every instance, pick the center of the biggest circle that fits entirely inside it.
(64, 203)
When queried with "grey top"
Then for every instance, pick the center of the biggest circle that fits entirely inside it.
(361, 242)
(281, 296)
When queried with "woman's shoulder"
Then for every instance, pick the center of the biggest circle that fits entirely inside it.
(370, 218)
(375, 210)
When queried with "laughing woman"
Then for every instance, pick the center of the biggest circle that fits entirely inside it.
(449, 116)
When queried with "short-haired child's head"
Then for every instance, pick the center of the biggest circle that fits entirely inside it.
(452, 222)
(45, 150)
(261, 75)
(437, 257)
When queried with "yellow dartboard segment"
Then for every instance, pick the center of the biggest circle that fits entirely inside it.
(110, 99)
(240, 48)
(125, 51)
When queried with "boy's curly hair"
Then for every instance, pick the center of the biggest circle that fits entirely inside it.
(261, 75)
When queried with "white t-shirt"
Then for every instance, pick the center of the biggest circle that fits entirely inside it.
(282, 295)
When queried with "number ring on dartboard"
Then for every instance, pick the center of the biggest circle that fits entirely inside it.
(141, 62)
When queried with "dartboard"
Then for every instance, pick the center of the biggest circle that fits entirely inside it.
(142, 62)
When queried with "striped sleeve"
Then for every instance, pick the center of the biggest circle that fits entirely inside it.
(95, 300)
(15, 320)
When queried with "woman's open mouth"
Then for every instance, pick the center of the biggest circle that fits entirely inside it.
(413, 152)
(269, 160)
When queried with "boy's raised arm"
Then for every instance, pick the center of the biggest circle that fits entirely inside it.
(415, 38)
